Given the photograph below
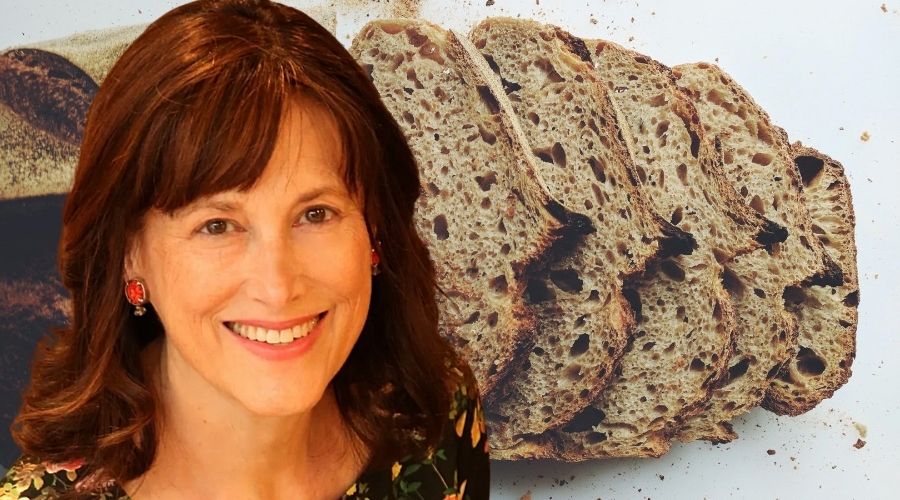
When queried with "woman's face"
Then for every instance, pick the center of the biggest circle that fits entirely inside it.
(263, 293)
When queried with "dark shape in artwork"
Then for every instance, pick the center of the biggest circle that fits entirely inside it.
(47, 91)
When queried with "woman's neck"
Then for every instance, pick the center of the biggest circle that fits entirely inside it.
(210, 445)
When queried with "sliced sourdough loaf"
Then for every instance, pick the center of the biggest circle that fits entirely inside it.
(484, 211)
(685, 324)
(827, 315)
(583, 319)
(758, 162)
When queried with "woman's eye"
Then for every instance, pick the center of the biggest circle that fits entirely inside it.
(317, 215)
(215, 226)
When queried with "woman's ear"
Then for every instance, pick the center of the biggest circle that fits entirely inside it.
(132, 265)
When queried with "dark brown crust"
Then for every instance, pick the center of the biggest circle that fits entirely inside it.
(574, 44)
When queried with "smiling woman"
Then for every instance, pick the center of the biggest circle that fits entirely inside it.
(244, 185)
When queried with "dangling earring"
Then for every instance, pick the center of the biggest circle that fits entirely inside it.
(376, 260)
(136, 294)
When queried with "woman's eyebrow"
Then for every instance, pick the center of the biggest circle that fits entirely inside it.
(224, 205)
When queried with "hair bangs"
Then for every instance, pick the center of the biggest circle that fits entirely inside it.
(219, 133)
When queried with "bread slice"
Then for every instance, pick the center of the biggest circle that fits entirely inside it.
(827, 315)
(484, 211)
(684, 331)
(583, 318)
(758, 162)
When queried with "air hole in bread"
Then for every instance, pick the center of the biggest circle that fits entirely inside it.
(595, 437)
(510, 87)
(757, 204)
(499, 284)
(567, 280)
(661, 128)
(492, 319)
(810, 363)
(852, 299)
(440, 227)
(537, 291)
(736, 371)
(670, 347)
(490, 59)
(845, 324)
(396, 61)
(486, 135)
(621, 88)
(597, 167)
(548, 70)
(472, 318)
(485, 203)
(647, 346)
(773, 371)
(716, 97)
(660, 408)
(558, 154)
(658, 100)
(695, 143)
(634, 300)
(573, 372)
(810, 168)
(501, 227)
(486, 181)
(505, 249)
(586, 420)
(804, 241)
(594, 296)
(672, 270)
(762, 159)
(759, 293)
(411, 76)
(543, 154)
(681, 170)
(408, 118)
(580, 346)
(489, 99)
(677, 216)
(697, 365)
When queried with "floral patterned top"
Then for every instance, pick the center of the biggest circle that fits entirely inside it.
(457, 469)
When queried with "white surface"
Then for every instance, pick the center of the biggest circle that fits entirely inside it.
(826, 71)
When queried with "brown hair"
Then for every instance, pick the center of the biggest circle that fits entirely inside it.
(193, 108)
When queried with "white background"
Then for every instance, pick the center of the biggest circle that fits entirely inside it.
(826, 71)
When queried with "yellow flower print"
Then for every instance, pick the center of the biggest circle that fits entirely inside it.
(395, 470)
(461, 423)
(351, 490)
(28, 474)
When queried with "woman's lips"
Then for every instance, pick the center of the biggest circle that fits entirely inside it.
(286, 343)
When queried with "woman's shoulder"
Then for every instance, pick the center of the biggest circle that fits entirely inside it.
(32, 478)
(456, 468)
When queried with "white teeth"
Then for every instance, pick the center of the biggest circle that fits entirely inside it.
(273, 336)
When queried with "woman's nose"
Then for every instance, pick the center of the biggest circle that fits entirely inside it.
(275, 270)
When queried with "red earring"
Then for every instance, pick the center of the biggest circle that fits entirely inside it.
(376, 259)
(136, 294)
